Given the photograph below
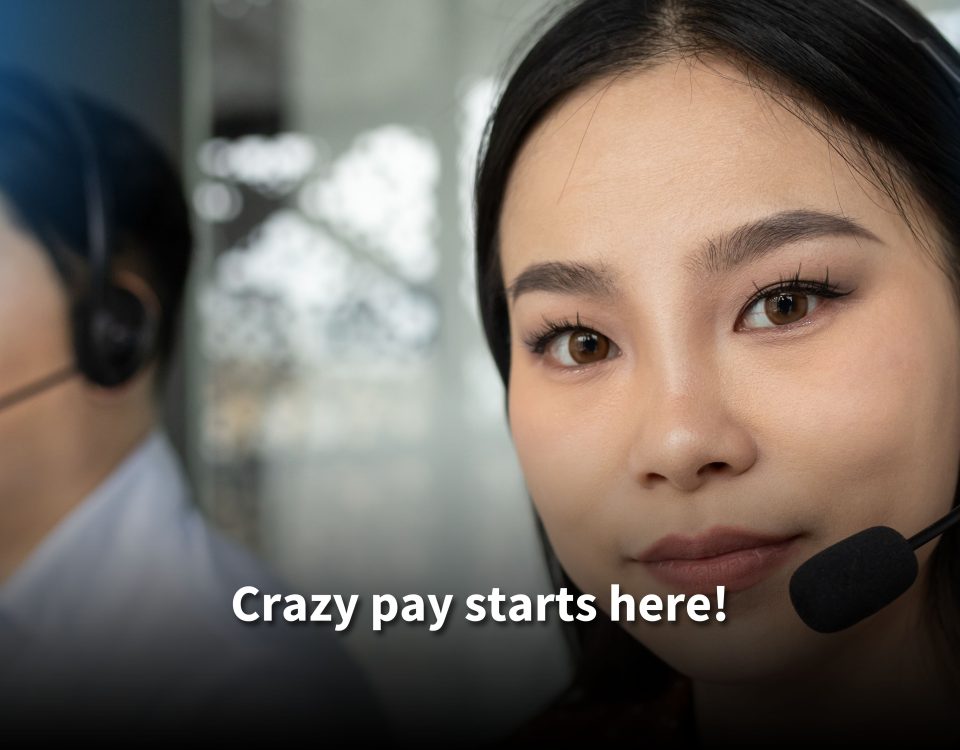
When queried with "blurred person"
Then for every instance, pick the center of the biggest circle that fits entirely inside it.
(115, 594)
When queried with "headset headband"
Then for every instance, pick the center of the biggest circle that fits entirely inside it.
(98, 224)
(937, 55)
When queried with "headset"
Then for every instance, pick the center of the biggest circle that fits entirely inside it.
(113, 331)
(860, 575)
(937, 55)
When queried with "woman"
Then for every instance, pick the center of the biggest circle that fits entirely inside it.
(717, 264)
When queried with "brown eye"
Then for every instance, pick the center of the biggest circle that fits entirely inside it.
(783, 309)
(581, 347)
(780, 309)
(588, 347)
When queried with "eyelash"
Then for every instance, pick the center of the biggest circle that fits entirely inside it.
(794, 285)
(539, 340)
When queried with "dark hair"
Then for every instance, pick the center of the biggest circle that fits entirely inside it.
(880, 99)
(42, 173)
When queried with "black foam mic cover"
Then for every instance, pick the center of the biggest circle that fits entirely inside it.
(853, 579)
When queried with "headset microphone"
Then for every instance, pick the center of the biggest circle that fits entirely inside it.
(37, 386)
(859, 576)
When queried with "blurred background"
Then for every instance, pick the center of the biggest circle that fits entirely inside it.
(334, 400)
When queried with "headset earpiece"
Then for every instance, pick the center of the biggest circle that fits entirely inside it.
(113, 336)
(114, 328)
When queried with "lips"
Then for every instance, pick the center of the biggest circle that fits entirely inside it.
(735, 558)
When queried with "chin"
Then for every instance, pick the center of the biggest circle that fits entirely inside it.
(750, 647)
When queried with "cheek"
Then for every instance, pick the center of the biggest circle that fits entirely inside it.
(34, 334)
(34, 342)
(869, 424)
(566, 443)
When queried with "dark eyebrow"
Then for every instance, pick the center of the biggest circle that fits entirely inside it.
(720, 254)
(751, 241)
(581, 279)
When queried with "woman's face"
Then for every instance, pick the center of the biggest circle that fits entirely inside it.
(665, 385)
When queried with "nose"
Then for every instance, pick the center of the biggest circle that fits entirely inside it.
(689, 437)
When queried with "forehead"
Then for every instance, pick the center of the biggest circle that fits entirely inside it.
(649, 163)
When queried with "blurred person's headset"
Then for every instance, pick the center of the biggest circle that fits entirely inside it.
(112, 330)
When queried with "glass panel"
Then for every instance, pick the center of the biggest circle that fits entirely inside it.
(351, 423)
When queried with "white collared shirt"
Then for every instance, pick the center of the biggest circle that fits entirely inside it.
(125, 609)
